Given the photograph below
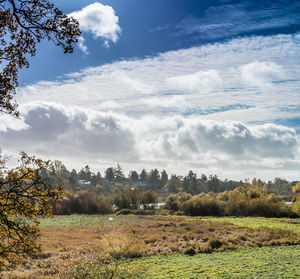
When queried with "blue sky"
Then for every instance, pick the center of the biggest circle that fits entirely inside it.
(152, 27)
(211, 86)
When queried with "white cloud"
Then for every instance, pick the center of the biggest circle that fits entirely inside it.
(82, 45)
(76, 135)
(261, 74)
(99, 20)
(192, 138)
(201, 81)
(133, 83)
(55, 130)
(169, 102)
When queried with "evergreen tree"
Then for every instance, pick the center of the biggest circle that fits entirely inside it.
(164, 178)
(133, 176)
(143, 175)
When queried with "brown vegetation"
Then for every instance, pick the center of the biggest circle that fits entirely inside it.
(138, 236)
(242, 201)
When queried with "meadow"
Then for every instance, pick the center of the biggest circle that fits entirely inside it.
(166, 247)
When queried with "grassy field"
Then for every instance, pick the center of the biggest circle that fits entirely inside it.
(251, 222)
(265, 262)
(165, 239)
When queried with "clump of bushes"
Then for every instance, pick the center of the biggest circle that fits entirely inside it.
(242, 201)
(82, 202)
(203, 206)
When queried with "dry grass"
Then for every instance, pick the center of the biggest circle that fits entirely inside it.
(153, 236)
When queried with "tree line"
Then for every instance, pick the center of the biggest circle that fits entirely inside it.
(155, 180)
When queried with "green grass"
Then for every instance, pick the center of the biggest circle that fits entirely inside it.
(69, 221)
(89, 220)
(265, 262)
(252, 222)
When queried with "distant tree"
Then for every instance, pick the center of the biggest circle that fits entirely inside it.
(88, 173)
(110, 174)
(98, 178)
(81, 174)
(118, 173)
(153, 179)
(93, 180)
(203, 178)
(73, 177)
(23, 24)
(174, 184)
(214, 184)
(164, 178)
(189, 183)
(129, 197)
(281, 186)
(143, 175)
(59, 168)
(133, 176)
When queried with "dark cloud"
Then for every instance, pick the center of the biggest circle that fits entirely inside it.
(56, 130)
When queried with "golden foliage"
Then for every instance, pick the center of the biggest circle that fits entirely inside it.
(24, 196)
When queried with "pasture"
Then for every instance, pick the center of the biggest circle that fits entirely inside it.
(168, 246)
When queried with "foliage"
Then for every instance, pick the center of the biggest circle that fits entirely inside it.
(23, 24)
(174, 201)
(23, 194)
(133, 197)
(296, 207)
(242, 201)
(205, 206)
(148, 198)
(82, 202)
(173, 185)
(296, 188)
(114, 181)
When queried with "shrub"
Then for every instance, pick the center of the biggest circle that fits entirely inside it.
(242, 201)
(82, 202)
(174, 201)
(204, 206)
(296, 207)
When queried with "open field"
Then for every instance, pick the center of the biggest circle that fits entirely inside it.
(165, 240)
(252, 222)
(266, 262)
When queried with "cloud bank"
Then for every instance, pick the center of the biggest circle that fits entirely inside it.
(69, 133)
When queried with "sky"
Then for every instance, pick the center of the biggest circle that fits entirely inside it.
(209, 86)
